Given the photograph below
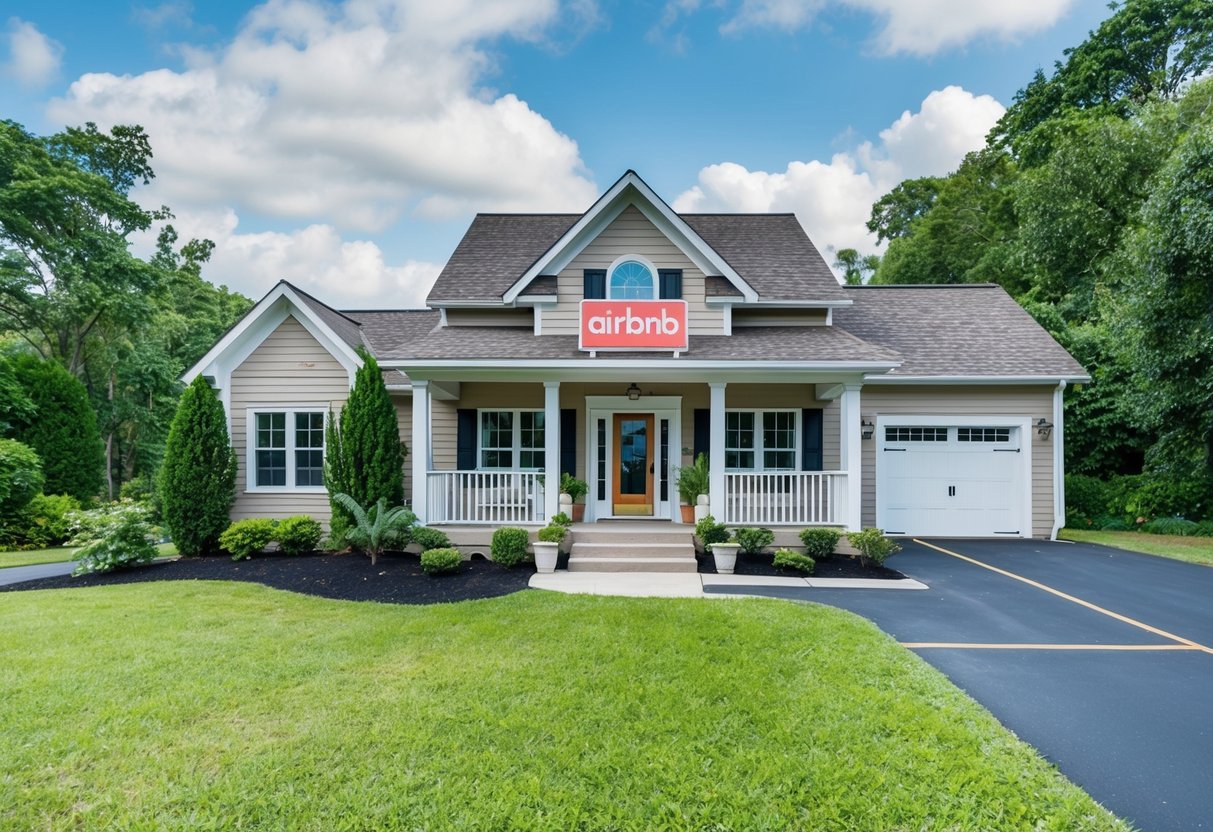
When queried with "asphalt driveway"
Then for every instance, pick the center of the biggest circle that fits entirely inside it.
(1099, 658)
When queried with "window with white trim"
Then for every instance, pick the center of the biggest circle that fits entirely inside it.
(983, 434)
(511, 440)
(915, 434)
(631, 280)
(761, 440)
(287, 449)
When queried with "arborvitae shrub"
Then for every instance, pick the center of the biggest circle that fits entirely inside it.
(364, 454)
(198, 480)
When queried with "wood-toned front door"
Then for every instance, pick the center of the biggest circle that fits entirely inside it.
(633, 462)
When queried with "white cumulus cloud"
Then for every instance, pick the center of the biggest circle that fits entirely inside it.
(351, 274)
(33, 58)
(833, 199)
(917, 27)
(344, 119)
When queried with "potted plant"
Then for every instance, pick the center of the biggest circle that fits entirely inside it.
(724, 555)
(714, 537)
(692, 483)
(576, 490)
(547, 547)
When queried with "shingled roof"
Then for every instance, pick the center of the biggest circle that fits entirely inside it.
(771, 252)
(966, 330)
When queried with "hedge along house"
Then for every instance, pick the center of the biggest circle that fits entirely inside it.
(619, 343)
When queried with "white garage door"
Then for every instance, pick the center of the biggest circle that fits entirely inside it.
(952, 481)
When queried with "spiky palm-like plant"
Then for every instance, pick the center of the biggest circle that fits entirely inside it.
(374, 528)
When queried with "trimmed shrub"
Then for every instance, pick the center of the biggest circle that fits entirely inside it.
(787, 559)
(364, 456)
(1204, 528)
(873, 546)
(820, 543)
(1170, 525)
(245, 538)
(298, 535)
(753, 539)
(428, 538)
(509, 545)
(198, 480)
(63, 430)
(553, 533)
(561, 519)
(46, 520)
(441, 561)
(126, 543)
(20, 477)
(1112, 524)
(709, 531)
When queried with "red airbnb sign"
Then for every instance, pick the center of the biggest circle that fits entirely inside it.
(634, 325)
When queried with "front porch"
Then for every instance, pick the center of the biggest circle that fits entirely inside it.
(491, 453)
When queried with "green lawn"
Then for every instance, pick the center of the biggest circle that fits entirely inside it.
(1190, 549)
(57, 554)
(216, 705)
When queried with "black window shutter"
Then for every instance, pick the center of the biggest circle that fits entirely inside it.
(811, 441)
(465, 456)
(671, 283)
(703, 432)
(594, 284)
(568, 442)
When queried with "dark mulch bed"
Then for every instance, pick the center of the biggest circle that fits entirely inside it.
(836, 566)
(396, 579)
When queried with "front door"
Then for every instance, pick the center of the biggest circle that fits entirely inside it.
(633, 462)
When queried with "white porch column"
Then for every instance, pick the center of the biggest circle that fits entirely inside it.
(551, 449)
(851, 455)
(716, 451)
(420, 450)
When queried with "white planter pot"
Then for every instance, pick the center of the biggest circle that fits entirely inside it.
(725, 557)
(701, 507)
(546, 555)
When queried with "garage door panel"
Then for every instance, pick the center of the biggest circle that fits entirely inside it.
(952, 487)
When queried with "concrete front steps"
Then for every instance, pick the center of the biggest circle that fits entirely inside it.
(626, 546)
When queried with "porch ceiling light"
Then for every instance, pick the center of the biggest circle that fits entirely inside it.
(633, 391)
(1044, 428)
(866, 429)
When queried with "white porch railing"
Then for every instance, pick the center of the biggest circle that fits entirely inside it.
(485, 497)
(785, 498)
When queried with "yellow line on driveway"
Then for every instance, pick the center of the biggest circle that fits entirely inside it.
(1134, 622)
(965, 645)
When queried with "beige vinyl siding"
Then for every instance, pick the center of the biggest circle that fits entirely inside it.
(404, 422)
(490, 317)
(630, 233)
(1031, 402)
(289, 368)
(747, 316)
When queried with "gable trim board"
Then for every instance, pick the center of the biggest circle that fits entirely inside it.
(948, 356)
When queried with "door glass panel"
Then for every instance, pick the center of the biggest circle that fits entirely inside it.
(665, 460)
(633, 456)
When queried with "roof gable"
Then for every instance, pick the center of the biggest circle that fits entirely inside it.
(630, 190)
(763, 258)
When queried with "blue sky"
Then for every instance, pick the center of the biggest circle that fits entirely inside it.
(346, 145)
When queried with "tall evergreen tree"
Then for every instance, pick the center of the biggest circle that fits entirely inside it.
(198, 480)
(365, 454)
(62, 428)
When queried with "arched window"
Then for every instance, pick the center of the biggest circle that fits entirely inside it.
(631, 279)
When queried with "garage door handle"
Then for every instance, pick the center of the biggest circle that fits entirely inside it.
(1006, 450)
(898, 450)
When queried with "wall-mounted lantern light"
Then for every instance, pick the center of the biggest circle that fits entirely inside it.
(1044, 428)
(633, 391)
(866, 429)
